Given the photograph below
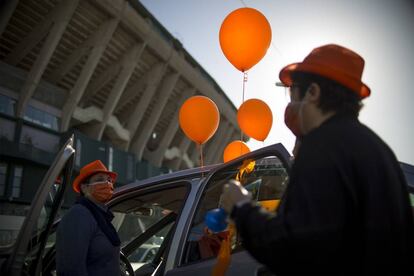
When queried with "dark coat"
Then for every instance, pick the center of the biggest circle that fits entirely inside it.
(346, 209)
(82, 248)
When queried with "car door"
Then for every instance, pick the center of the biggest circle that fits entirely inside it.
(265, 173)
(24, 256)
(146, 218)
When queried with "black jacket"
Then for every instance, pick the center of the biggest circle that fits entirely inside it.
(346, 209)
(82, 248)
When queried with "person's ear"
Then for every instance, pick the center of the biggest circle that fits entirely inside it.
(313, 93)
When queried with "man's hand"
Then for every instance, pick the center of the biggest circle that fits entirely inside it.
(233, 193)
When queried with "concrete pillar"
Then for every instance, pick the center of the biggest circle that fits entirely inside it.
(195, 156)
(138, 112)
(106, 31)
(184, 145)
(218, 139)
(74, 58)
(132, 91)
(64, 12)
(128, 64)
(228, 136)
(100, 82)
(145, 132)
(157, 156)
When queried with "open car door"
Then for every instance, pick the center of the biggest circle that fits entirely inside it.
(24, 256)
(146, 218)
(265, 174)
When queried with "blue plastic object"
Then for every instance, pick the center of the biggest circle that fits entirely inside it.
(216, 220)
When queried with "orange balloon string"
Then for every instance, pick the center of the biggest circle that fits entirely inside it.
(200, 146)
(244, 89)
(244, 84)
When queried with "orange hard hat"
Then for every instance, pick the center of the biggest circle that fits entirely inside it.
(90, 169)
(334, 62)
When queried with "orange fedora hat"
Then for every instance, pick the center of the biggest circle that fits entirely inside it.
(333, 62)
(90, 169)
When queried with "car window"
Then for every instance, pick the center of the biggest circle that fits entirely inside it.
(13, 219)
(144, 221)
(39, 230)
(266, 178)
(36, 237)
(146, 252)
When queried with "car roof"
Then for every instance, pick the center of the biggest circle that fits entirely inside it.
(169, 177)
(191, 173)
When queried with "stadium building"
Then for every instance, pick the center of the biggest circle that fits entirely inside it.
(106, 71)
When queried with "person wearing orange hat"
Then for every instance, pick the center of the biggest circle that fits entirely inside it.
(346, 210)
(86, 241)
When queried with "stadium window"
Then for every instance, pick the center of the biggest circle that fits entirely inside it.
(7, 105)
(17, 181)
(41, 117)
(3, 173)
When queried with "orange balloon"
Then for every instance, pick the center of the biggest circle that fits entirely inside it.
(235, 149)
(255, 119)
(245, 36)
(199, 118)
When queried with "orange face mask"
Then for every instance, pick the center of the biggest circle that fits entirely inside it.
(102, 192)
(292, 118)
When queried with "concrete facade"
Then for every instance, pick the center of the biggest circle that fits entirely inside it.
(107, 72)
(115, 73)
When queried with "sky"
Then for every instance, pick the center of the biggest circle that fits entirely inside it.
(381, 31)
